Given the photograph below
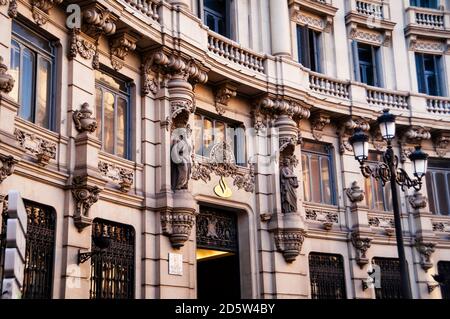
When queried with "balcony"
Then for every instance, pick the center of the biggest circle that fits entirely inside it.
(427, 22)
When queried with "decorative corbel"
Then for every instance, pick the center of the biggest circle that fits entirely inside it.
(12, 8)
(414, 135)
(361, 244)
(425, 249)
(346, 130)
(41, 9)
(85, 196)
(177, 224)
(289, 242)
(355, 193)
(417, 201)
(412, 42)
(6, 80)
(328, 24)
(83, 120)
(387, 38)
(7, 164)
(223, 95)
(441, 142)
(318, 123)
(78, 45)
(120, 46)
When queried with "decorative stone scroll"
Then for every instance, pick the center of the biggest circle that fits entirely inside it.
(441, 143)
(362, 244)
(223, 94)
(85, 196)
(414, 135)
(289, 243)
(318, 123)
(426, 250)
(124, 177)
(7, 163)
(120, 46)
(12, 9)
(44, 150)
(41, 9)
(6, 80)
(346, 130)
(83, 119)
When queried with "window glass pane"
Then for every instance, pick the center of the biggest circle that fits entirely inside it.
(378, 195)
(43, 95)
(306, 175)
(121, 146)
(108, 116)
(198, 140)
(387, 197)
(240, 145)
(112, 82)
(315, 174)
(430, 191)
(442, 193)
(369, 192)
(207, 136)
(31, 37)
(98, 112)
(314, 147)
(447, 194)
(326, 183)
(219, 132)
(14, 69)
(28, 84)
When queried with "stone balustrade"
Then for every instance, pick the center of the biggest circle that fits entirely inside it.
(370, 9)
(387, 99)
(326, 85)
(427, 18)
(438, 105)
(147, 7)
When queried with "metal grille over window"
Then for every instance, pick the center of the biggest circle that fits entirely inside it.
(327, 276)
(112, 269)
(389, 279)
(40, 247)
(444, 274)
(217, 230)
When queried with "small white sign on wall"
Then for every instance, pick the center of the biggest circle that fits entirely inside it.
(175, 264)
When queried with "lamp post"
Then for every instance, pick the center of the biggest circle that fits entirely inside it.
(388, 171)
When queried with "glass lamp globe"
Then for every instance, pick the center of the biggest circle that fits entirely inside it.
(387, 125)
(420, 162)
(360, 144)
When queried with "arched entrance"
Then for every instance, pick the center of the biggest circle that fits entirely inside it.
(218, 271)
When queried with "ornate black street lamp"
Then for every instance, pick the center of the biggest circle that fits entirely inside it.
(388, 171)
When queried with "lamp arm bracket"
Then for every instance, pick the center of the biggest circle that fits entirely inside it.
(404, 181)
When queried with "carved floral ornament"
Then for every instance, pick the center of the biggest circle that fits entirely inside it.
(362, 244)
(356, 32)
(299, 13)
(7, 163)
(6, 80)
(289, 242)
(124, 177)
(177, 225)
(41, 9)
(85, 196)
(83, 119)
(44, 150)
(441, 143)
(426, 250)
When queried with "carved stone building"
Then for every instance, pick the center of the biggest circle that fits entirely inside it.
(189, 148)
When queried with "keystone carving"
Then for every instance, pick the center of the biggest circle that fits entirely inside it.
(124, 177)
(417, 201)
(7, 163)
(177, 225)
(355, 193)
(83, 120)
(41, 9)
(289, 242)
(441, 142)
(85, 196)
(120, 46)
(346, 130)
(224, 93)
(361, 244)
(426, 249)
(318, 123)
(44, 150)
(6, 80)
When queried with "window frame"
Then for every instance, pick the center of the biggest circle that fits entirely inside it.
(304, 47)
(227, 123)
(425, 4)
(433, 171)
(226, 17)
(421, 74)
(117, 93)
(39, 53)
(376, 55)
(331, 171)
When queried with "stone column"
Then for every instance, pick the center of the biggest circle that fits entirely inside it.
(280, 28)
(186, 4)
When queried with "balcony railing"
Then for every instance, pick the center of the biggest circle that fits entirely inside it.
(232, 51)
(387, 99)
(370, 9)
(329, 86)
(146, 7)
(427, 18)
(438, 105)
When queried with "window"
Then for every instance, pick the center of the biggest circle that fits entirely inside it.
(318, 183)
(367, 64)
(113, 113)
(429, 72)
(444, 273)
(377, 196)
(216, 13)
(438, 186)
(32, 66)
(209, 131)
(39, 250)
(112, 270)
(308, 46)
(327, 277)
(389, 278)
(433, 4)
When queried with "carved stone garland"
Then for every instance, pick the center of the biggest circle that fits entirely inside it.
(41, 9)
(85, 196)
(44, 150)
(124, 177)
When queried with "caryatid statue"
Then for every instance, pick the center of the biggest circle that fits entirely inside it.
(289, 184)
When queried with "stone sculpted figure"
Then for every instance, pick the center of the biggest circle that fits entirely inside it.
(181, 159)
(288, 183)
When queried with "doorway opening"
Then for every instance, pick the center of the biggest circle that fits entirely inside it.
(218, 270)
